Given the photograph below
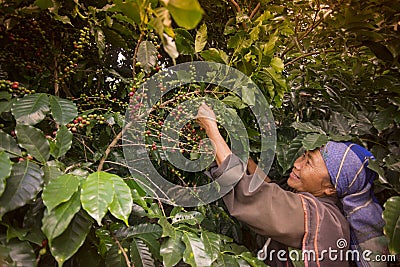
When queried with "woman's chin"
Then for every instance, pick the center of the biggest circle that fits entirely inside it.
(293, 183)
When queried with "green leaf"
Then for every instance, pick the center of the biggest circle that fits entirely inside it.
(212, 243)
(374, 165)
(5, 170)
(147, 55)
(21, 253)
(215, 55)
(8, 144)
(201, 38)
(391, 215)
(143, 231)
(140, 254)
(172, 250)
(385, 118)
(277, 64)
(186, 14)
(30, 109)
(307, 127)
(52, 170)
(184, 42)
(195, 253)
(130, 9)
(97, 194)
(63, 142)
(43, 4)
(121, 204)
(67, 244)
(34, 141)
(286, 155)
(248, 96)
(56, 221)
(24, 183)
(226, 260)
(5, 105)
(62, 110)
(60, 190)
(313, 141)
(254, 262)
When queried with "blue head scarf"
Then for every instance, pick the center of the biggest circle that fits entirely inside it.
(347, 166)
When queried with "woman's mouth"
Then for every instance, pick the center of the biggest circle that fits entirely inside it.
(294, 176)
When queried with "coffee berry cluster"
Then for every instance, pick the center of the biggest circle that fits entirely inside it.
(14, 88)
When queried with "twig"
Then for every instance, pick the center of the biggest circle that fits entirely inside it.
(309, 54)
(135, 53)
(111, 145)
(255, 10)
(239, 10)
(128, 262)
(309, 30)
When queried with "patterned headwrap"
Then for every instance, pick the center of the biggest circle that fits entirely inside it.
(347, 166)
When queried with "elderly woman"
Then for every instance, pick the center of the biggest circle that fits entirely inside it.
(333, 207)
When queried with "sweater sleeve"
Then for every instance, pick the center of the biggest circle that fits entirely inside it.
(269, 210)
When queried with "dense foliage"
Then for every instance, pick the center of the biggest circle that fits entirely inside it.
(70, 69)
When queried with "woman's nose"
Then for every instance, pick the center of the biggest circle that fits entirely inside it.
(297, 163)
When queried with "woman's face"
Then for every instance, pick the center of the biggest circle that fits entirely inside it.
(310, 174)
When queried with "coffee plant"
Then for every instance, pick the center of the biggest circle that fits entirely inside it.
(70, 78)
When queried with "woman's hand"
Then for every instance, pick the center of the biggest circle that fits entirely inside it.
(206, 118)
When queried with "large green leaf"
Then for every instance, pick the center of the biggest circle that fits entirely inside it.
(60, 190)
(313, 141)
(68, 243)
(30, 109)
(212, 243)
(142, 231)
(44, 4)
(201, 38)
(195, 253)
(55, 222)
(130, 9)
(253, 261)
(51, 170)
(391, 215)
(63, 110)
(307, 127)
(5, 170)
(21, 253)
(215, 55)
(187, 14)
(22, 186)
(172, 250)
(34, 141)
(226, 260)
(287, 154)
(184, 41)
(121, 205)
(63, 142)
(140, 254)
(147, 55)
(8, 144)
(97, 194)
